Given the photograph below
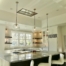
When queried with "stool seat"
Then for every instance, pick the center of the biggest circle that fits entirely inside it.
(46, 64)
(32, 63)
(64, 60)
(59, 62)
(43, 64)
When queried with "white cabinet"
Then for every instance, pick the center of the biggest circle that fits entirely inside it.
(2, 38)
(0, 62)
(4, 62)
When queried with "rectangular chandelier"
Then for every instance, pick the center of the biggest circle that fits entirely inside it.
(26, 12)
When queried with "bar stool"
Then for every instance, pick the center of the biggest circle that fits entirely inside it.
(64, 60)
(60, 61)
(46, 64)
(64, 57)
(32, 63)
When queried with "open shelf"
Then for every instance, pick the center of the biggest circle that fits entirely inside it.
(8, 43)
(37, 38)
(8, 37)
(37, 42)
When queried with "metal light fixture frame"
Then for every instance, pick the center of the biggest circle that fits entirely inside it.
(16, 25)
(26, 12)
(47, 22)
(47, 31)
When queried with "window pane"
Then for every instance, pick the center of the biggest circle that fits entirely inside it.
(28, 36)
(22, 36)
(28, 56)
(14, 35)
(21, 39)
(22, 56)
(28, 42)
(22, 42)
(14, 43)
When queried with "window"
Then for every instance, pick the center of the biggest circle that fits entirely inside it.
(21, 39)
(14, 39)
(28, 39)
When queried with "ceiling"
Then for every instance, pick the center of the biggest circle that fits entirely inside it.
(53, 7)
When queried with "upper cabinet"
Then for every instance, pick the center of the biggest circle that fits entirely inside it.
(2, 38)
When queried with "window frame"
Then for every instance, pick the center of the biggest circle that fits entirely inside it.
(19, 32)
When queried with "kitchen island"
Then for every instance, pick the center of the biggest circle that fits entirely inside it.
(24, 59)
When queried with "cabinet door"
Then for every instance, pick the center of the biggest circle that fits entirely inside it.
(5, 63)
(2, 38)
(22, 63)
(0, 62)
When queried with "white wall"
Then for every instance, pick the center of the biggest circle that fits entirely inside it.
(55, 21)
(22, 19)
(2, 38)
(52, 43)
(60, 39)
(63, 29)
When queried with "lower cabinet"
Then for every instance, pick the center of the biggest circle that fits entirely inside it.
(28, 62)
(0, 62)
(4, 62)
(23, 63)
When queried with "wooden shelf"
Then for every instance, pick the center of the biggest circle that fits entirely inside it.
(37, 38)
(37, 42)
(8, 37)
(8, 43)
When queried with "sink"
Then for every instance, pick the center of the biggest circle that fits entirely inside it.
(24, 51)
(20, 52)
(16, 52)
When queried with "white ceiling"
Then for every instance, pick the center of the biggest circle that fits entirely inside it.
(53, 7)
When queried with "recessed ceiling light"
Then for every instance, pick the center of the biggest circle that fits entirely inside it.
(57, 10)
(11, 8)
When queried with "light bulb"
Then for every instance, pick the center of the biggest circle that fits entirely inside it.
(16, 26)
(34, 29)
(6, 30)
(47, 30)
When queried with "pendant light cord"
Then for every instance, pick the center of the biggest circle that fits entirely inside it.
(34, 18)
(47, 21)
(47, 31)
(16, 11)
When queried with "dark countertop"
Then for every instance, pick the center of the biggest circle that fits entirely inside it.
(25, 56)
